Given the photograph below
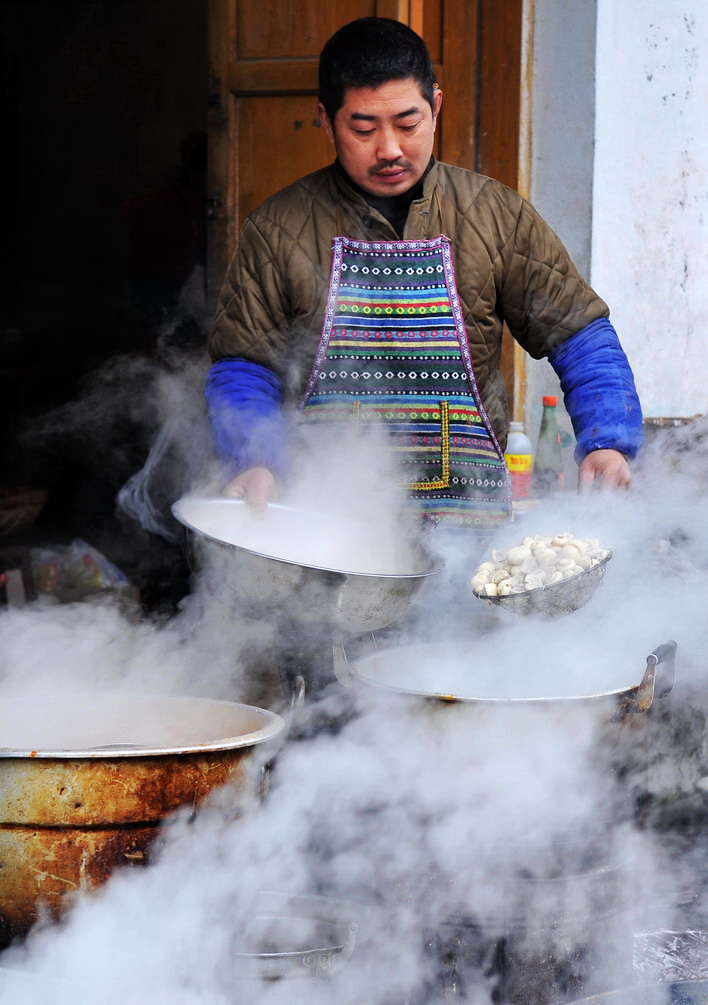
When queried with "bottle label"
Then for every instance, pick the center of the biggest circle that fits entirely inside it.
(520, 467)
(519, 462)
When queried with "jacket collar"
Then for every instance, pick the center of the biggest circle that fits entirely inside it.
(356, 194)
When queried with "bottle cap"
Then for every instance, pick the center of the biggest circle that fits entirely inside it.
(550, 399)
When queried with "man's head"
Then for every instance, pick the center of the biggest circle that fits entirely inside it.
(369, 52)
(379, 103)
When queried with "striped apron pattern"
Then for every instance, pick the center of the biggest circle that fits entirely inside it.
(394, 350)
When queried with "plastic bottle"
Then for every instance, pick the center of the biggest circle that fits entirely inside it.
(519, 460)
(548, 462)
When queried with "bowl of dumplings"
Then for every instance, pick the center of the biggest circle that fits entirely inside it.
(545, 576)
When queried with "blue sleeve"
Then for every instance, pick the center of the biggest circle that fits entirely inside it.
(598, 391)
(248, 428)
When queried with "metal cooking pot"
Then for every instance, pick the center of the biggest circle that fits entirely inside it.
(456, 673)
(457, 692)
(299, 936)
(520, 739)
(87, 779)
(320, 568)
(680, 993)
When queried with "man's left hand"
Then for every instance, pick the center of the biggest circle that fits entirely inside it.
(607, 467)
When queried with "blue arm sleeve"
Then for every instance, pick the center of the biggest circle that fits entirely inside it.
(598, 391)
(244, 403)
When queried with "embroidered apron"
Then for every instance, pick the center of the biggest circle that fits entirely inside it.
(394, 350)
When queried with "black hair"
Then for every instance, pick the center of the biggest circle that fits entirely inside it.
(369, 52)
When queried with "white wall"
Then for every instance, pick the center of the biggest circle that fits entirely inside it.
(650, 195)
(558, 121)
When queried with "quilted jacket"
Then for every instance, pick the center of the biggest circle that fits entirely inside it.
(510, 267)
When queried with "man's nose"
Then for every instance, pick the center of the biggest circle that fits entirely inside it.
(389, 148)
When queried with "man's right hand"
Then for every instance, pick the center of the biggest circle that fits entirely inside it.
(256, 485)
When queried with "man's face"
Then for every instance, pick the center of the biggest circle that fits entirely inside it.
(384, 135)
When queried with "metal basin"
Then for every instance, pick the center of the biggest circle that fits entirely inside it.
(595, 718)
(680, 993)
(299, 936)
(453, 673)
(86, 780)
(319, 568)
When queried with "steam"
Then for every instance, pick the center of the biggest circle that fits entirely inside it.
(415, 816)
(97, 646)
(139, 423)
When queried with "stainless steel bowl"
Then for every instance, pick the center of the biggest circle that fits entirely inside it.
(334, 571)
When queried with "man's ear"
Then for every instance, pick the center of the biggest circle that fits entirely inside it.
(437, 102)
(326, 123)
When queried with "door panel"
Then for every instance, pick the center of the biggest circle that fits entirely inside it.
(280, 140)
(281, 29)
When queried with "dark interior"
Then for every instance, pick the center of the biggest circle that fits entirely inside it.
(103, 234)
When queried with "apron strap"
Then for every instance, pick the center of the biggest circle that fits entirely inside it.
(438, 202)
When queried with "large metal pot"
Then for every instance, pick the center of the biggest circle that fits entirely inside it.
(561, 699)
(299, 936)
(454, 672)
(560, 753)
(87, 779)
(679, 993)
(321, 568)
(505, 718)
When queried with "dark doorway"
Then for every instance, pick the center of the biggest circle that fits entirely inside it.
(102, 178)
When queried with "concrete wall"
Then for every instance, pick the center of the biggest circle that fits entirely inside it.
(559, 122)
(617, 162)
(650, 203)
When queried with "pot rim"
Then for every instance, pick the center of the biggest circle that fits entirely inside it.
(472, 699)
(619, 996)
(358, 670)
(273, 724)
(433, 564)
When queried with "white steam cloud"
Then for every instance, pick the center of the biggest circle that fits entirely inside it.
(424, 822)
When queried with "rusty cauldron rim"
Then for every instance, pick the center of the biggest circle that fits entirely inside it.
(272, 725)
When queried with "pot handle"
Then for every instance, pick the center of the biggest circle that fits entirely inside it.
(297, 704)
(292, 728)
(341, 660)
(648, 690)
(341, 665)
(327, 963)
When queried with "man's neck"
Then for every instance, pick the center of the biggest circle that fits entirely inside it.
(392, 208)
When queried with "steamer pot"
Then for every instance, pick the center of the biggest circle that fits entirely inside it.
(455, 673)
(325, 570)
(558, 759)
(454, 700)
(680, 993)
(86, 780)
(300, 936)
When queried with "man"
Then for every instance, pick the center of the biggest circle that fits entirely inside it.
(376, 289)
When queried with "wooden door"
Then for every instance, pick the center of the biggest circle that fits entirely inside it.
(263, 127)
